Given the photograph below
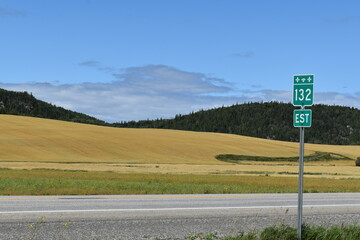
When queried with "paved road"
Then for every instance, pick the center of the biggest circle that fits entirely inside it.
(164, 216)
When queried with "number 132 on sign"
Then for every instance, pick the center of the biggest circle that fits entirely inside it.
(303, 94)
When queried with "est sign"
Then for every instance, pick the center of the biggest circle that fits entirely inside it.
(303, 94)
(302, 118)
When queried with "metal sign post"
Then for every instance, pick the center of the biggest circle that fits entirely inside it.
(303, 95)
(300, 188)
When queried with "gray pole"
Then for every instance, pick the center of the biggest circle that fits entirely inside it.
(301, 174)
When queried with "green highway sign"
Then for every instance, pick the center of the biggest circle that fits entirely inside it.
(303, 91)
(302, 118)
(303, 95)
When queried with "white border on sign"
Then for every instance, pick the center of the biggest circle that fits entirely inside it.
(292, 94)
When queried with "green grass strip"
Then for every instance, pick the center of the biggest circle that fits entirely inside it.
(285, 232)
(57, 182)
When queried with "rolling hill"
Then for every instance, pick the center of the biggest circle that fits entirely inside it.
(271, 120)
(25, 104)
(29, 139)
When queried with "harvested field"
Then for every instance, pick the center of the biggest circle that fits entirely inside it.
(34, 143)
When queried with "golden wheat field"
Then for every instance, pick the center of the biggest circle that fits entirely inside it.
(27, 142)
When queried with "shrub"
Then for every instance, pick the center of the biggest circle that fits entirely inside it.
(357, 162)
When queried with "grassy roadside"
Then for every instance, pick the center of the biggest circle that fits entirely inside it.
(56, 182)
(285, 232)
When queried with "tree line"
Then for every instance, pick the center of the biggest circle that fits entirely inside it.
(24, 103)
(270, 120)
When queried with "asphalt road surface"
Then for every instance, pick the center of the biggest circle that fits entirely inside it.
(165, 216)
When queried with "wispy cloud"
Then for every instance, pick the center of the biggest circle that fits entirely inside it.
(97, 65)
(5, 12)
(247, 54)
(162, 79)
(335, 98)
(155, 91)
(343, 20)
(256, 86)
(89, 64)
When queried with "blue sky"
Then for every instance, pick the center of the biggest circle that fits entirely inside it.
(138, 59)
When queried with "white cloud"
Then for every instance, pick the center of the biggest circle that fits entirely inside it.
(156, 91)
(335, 98)
(165, 80)
(138, 93)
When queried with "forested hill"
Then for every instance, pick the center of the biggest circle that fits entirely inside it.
(271, 120)
(23, 103)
